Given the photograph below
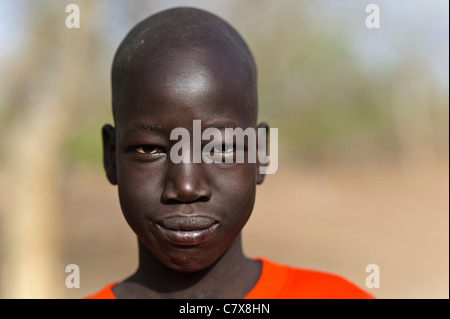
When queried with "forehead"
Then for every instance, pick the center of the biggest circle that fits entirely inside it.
(181, 84)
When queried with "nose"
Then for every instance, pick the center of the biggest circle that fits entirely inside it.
(186, 182)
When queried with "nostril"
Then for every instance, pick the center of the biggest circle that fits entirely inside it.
(169, 201)
(185, 193)
(173, 201)
(202, 199)
(186, 183)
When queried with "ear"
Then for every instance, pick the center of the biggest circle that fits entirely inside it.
(263, 136)
(109, 153)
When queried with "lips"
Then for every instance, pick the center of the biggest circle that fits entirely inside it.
(187, 230)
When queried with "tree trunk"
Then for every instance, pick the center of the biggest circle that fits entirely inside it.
(47, 99)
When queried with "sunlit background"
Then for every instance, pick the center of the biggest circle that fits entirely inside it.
(363, 120)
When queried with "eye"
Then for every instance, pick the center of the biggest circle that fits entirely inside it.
(226, 149)
(148, 150)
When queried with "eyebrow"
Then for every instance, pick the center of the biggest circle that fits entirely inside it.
(143, 127)
(220, 125)
(146, 127)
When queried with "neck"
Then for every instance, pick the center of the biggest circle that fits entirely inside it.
(232, 276)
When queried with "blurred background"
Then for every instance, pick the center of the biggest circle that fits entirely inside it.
(363, 119)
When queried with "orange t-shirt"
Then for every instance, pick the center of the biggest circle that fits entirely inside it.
(284, 282)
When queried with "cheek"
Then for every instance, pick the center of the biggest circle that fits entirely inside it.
(236, 189)
(139, 193)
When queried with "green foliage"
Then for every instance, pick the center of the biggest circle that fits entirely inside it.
(84, 146)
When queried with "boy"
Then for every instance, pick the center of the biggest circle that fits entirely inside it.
(176, 67)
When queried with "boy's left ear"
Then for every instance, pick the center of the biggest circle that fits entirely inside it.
(261, 152)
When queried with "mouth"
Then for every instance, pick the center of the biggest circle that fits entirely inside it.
(187, 230)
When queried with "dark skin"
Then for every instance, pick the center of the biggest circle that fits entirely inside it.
(183, 84)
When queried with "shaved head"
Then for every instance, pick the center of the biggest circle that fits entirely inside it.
(174, 70)
(192, 39)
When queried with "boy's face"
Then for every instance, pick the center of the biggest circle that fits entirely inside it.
(186, 214)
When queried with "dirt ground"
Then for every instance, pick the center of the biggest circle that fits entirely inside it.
(326, 219)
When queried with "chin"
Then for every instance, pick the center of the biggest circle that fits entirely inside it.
(190, 264)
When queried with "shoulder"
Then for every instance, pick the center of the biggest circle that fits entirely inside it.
(317, 284)
(104, 293)
(297, 283)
